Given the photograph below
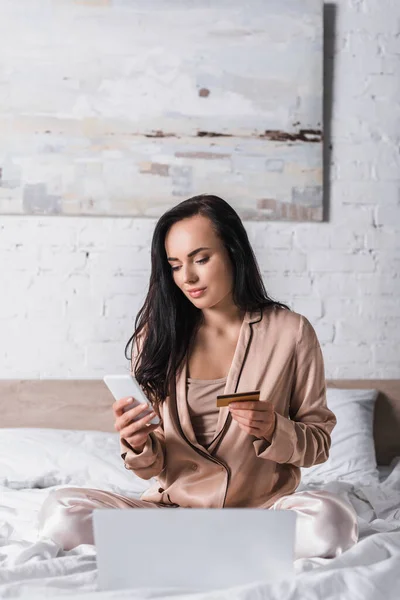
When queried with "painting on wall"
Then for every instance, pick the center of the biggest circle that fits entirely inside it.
(125, 108)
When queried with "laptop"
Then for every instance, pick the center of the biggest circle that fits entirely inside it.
(195, 549)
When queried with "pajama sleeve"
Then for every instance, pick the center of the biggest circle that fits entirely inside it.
(151, 460)
(304, 439)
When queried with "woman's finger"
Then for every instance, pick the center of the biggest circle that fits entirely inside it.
(133, 414)
(120, 405)
(247, 420)
(137, 426)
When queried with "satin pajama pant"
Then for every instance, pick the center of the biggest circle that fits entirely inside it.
(326, 524)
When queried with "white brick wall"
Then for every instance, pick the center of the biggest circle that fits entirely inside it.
(70, 287)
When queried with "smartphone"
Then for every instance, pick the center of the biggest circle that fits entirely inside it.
(122, 386)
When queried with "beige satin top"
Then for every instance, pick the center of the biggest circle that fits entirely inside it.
(201, 397)
(277, 354)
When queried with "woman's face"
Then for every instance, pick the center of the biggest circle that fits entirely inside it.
(209, 268)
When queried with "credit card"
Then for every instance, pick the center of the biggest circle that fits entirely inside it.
(226, 399)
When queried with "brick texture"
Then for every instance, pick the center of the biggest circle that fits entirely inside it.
(71, 287)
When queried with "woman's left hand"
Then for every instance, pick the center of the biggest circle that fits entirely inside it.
(254, 417)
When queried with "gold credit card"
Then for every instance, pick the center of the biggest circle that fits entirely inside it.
(226, 399)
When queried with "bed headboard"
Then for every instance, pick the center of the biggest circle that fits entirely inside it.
(86, 404)
(386, 417)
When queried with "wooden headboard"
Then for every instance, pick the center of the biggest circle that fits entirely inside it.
(86, 404)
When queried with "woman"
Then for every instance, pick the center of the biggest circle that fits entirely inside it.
(192, 346)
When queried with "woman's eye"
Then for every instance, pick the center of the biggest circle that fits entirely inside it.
(199, 262)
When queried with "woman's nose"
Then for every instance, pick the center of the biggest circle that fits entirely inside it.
(188, 275)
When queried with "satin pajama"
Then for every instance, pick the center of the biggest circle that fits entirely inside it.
(326, 524)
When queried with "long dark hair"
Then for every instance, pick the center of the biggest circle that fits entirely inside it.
(167, 321)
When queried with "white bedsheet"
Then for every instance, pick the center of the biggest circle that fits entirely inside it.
(368, 571)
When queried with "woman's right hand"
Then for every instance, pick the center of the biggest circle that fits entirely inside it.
(133, 432)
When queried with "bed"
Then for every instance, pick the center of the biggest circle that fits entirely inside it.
(55, 433)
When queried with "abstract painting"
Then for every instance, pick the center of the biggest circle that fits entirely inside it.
(125, 108)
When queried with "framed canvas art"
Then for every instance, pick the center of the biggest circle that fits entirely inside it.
(125, 108)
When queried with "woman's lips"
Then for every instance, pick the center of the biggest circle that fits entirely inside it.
(197, 294)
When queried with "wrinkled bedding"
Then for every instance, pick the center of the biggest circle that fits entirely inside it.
(370, 570)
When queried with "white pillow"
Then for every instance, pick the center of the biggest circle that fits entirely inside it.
(39, 458)
(352, 454)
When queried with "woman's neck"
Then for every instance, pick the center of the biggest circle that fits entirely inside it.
(219, 321)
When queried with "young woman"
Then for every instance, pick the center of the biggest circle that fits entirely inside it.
(208, 327)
